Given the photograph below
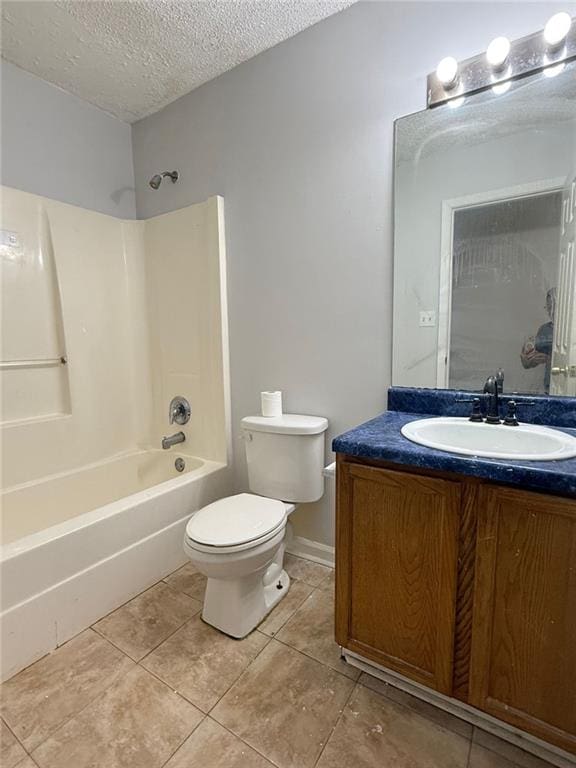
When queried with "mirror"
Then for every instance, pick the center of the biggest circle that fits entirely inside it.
(485, 226)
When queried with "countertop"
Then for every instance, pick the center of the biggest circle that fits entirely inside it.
(380, 439)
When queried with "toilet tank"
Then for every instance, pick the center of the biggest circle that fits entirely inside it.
(285, 456)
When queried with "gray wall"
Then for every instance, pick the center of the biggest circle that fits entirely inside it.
(56, 145)
(299, 142)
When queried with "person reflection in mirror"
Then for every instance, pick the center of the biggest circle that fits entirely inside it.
(537, 350)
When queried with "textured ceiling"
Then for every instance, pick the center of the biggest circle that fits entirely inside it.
(133, 58)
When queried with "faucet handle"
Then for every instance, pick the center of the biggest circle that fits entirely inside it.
(476, 414)
(179, 412)
(510, 420)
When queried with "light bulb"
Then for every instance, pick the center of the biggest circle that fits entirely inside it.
(455, 103)
(447, 72)
(501, 88)
(554, 70)
(557, 28)
(497, 52)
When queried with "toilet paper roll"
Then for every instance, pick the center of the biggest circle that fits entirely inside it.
(271, 404)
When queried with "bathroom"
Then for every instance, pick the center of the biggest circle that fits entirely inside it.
(204, 202)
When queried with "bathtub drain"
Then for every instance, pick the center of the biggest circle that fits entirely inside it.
(179, 464)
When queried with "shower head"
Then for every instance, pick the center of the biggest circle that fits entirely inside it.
(156, 180)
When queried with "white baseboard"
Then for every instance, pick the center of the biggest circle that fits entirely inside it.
(48, 619)
(311, 550)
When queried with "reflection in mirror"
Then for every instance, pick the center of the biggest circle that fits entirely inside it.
(485, 224)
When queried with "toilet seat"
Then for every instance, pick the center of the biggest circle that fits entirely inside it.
(236, 523)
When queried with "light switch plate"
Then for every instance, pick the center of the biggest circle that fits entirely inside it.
(427, 318)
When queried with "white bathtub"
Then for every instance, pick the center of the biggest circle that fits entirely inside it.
(77, 545)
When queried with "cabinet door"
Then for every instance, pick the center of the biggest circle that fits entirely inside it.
(396, 570)
(523, 665)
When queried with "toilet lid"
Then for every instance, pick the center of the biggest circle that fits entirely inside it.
(236, 520)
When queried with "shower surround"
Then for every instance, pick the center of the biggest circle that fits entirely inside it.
(104, 321)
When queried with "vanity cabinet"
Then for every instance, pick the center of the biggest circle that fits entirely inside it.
(462, 586)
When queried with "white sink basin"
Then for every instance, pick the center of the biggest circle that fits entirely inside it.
(495, 441)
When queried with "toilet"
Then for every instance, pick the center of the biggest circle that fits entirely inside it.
(238, 542)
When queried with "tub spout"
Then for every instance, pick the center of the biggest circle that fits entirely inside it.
(168, 442)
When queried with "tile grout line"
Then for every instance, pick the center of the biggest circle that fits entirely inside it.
(338, 719)
(88, 703)
(156, 583)
(181, 695)
(318, 661)
(151, 650)
(16, 737)
(236, 736)
(184, 740)
(309, 658)
(77, 634)
(266, 644)
(291, 615)
(469, 757)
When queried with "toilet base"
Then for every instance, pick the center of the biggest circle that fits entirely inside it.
(236, 607)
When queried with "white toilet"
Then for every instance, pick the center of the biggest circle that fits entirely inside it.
(238, 542)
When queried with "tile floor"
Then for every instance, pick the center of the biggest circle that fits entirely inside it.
(152, 686)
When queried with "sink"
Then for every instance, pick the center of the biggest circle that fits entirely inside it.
(495, 441)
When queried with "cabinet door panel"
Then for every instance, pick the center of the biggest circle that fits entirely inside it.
(397, 566)
(523, 666)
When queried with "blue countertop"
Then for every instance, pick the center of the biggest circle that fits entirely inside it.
(380, 439)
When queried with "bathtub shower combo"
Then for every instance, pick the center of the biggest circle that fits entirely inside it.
(115, 407)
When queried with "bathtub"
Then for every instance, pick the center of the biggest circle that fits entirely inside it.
(77, 545)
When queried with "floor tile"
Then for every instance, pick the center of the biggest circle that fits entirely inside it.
(137, 723)
(285, 706)
(311, 630)
(375, 732)
(39, 699)
(188, 580)
(514, 754)
(202, 663)
(437, 715)
(143, 623)
(329, 583)
(306, 570)
(211, 746)
(11, 752)
(485, 758)
(297, 593)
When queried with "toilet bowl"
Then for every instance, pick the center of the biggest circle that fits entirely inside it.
(243, 562)
(238, 542)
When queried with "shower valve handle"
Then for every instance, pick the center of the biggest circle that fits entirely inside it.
(180, 411)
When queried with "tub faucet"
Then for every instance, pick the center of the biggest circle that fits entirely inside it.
(168, 442)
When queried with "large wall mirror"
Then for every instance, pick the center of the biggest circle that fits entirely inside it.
(485, 226)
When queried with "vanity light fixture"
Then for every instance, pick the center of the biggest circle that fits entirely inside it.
(557, 29)
(504, 62)
(497, 53)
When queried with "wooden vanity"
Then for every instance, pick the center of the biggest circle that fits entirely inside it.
(463, 586)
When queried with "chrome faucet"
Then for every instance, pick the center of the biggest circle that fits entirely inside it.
(492, 390)
(168, 442)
